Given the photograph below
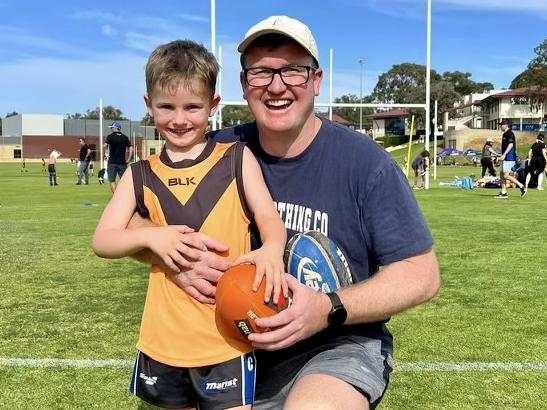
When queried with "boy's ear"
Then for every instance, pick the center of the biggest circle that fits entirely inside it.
(148, 103)
(215, 100)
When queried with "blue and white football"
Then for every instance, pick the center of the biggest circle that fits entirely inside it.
(316, 261)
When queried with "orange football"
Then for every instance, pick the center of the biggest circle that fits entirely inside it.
(238, 307)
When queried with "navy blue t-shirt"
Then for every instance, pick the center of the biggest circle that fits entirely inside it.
(509, 138)
(347, 187)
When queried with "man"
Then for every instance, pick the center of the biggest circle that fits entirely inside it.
(118, 151)
(85, 158)
(508, 157)
(328, 178)
(486, 158)
(537, 162)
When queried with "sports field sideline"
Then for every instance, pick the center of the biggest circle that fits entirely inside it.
(69, 320)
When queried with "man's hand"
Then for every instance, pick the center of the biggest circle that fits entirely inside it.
(200, 280)
(306, 316)
(201, 267)
(198, 277)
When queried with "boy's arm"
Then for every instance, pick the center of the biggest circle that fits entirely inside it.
(273, 235)
(112, 239)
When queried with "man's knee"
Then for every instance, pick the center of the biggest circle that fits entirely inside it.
(323, 392)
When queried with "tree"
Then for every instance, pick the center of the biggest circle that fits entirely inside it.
(463, 84)
(235, 114)
(351, 113)
(147, 120)
(534, 78)
(109, 113)
(445, 94)
(403, 83)
(536, 71)
(75, 116)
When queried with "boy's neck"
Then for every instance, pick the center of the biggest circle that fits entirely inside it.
(177, 154)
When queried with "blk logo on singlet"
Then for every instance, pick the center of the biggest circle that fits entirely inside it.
(181, 181)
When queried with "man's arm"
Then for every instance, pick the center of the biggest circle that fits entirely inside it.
(507, 150)
(398, 287)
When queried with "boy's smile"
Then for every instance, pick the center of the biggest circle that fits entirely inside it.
(181, 115)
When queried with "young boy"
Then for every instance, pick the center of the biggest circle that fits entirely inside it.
(214, 188)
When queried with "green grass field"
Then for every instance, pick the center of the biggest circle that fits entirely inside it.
(481, 344)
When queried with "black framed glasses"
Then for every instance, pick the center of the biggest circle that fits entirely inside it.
(291, 75)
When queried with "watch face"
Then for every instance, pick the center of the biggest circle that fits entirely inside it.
(338, 315)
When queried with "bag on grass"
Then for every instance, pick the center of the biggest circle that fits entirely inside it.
(467, 183)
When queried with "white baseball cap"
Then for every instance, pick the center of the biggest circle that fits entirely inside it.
(286, 26)
(489, 139)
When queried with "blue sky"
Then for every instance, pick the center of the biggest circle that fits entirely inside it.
(61, 57)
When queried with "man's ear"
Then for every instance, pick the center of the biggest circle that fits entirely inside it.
(317, 77)
(243, 84)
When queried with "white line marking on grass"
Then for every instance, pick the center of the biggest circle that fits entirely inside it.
(400, 367)
(64, 363)
(470, 367)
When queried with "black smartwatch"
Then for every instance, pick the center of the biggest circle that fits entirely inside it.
(338, 314)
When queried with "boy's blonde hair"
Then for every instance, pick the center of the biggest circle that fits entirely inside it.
(179, 63)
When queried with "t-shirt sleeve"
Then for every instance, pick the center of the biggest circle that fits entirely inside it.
(393, 222)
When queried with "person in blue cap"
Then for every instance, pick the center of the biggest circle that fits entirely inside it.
(118, 152)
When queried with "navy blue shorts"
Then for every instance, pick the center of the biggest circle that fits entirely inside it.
(220, 386)
(115, 169)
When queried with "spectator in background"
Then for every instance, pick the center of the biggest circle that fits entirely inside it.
(51, 167)
(537, 160)
(85, 157)
(118, 152)
(508, 158)
(486, 158)
(419, 165)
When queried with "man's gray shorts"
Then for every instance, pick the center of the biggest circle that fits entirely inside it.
(356, 360)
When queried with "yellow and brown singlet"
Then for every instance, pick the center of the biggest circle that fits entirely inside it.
(207, 195)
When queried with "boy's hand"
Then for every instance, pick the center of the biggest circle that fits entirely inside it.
(170, 244)
(269, 264)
